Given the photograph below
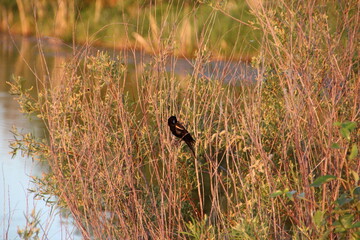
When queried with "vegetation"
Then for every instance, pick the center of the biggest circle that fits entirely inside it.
(139, 24)
(289, 141)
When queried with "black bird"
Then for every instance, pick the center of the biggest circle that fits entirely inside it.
(180, 131)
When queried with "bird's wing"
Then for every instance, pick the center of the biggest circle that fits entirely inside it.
(180, 127)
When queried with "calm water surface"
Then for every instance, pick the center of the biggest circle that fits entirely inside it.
(16, 202)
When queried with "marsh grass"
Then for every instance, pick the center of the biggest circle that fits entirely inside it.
(119, 171)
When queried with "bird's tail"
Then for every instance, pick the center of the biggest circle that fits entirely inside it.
(191, 146)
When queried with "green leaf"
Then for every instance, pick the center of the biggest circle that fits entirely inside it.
(321, 180)
(356, 225)
(290, 195)
(343, 199)
(301, 195)
(337, 124)
(345, 133)
(318, 218)
(276, 193)
(346, 220)
(335, 146)
(355, 175)
(357, 191)
(354, 152)
(336, 223)
(349, 125)
(338, 227)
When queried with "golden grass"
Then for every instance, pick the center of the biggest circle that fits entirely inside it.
(117, 168)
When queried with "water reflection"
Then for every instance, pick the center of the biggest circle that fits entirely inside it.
(17, 57)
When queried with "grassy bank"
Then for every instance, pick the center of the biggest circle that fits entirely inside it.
(289, 141)
(139, 24)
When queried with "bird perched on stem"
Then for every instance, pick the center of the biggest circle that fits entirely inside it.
(180, 131)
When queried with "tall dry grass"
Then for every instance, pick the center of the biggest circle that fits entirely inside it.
(121, 174)
(314, 82)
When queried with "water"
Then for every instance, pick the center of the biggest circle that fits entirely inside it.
(16, 202)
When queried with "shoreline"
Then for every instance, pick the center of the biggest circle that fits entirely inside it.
(134, 46)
